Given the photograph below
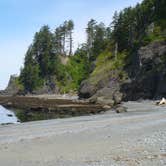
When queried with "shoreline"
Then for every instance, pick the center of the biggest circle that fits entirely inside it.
(49, 107)
(137, 137)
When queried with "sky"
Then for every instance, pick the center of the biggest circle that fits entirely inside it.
(20, 19)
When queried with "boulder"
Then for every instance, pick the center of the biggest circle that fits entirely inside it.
(105, 101)
(120, 109)
(105, 91)
(86, 89)
(107, 96)
(107, 107)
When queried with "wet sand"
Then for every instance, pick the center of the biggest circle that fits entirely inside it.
(137, 137)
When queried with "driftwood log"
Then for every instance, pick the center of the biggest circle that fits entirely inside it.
(161, 102)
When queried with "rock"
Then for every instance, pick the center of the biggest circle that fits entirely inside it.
(105, 96)
(146, 78)
(121, 109)
(150, 78)
(107, 107)
(9, 104)
(86, 89)
(12, 87)
(117, 96)
(105, 101)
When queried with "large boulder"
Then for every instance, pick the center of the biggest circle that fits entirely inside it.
(106, 91)
(107, 96)
(87, 89)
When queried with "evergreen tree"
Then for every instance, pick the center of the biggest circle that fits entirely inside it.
(58, 41)
(70, 28)
(99, 43)
(44, 51)
(29, 76)
(90, 36)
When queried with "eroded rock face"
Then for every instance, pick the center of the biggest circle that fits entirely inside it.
(12, 87)
(49, 87)
(106, 91)
(150, 79)
(87, 89)
(148, 82)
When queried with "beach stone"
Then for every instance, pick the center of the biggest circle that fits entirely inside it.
(121, 109)
(107, 107)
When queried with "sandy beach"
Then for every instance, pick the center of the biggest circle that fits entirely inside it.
(137, 137)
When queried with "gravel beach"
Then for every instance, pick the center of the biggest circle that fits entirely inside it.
(137, 137)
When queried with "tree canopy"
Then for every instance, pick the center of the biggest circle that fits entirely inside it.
(130, 29)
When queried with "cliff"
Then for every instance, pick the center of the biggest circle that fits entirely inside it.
(148, 82)
(12, 87)
(150, 78)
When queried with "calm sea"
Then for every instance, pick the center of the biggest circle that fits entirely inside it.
(7, 116)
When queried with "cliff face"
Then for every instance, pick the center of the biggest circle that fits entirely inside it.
(103, 85)
(148, 82)
(109, 85)
(150, 79)
(12, 87)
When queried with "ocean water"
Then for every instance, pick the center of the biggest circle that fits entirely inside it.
(7, 116)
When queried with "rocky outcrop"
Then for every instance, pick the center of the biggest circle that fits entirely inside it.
(49, 87)
(150, 79)
(148, 82)
(87, 89)
(106, 91)
(33, 108)
(12, 87)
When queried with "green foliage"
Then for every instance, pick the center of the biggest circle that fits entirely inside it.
(156, 35)
(30, 74)
(63, 37)
(77, 69)
(106, 47)
(131, 24)
(107, 64)
(160, 16)
(97, 38)
(43, 52)
(71, 74)
(18, 83)
(30, 78)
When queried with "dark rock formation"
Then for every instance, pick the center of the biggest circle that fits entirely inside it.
(87, 89)
(106, 91)
(12, 87)
(150, 79)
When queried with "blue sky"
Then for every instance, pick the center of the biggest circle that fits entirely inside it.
(20, 19)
